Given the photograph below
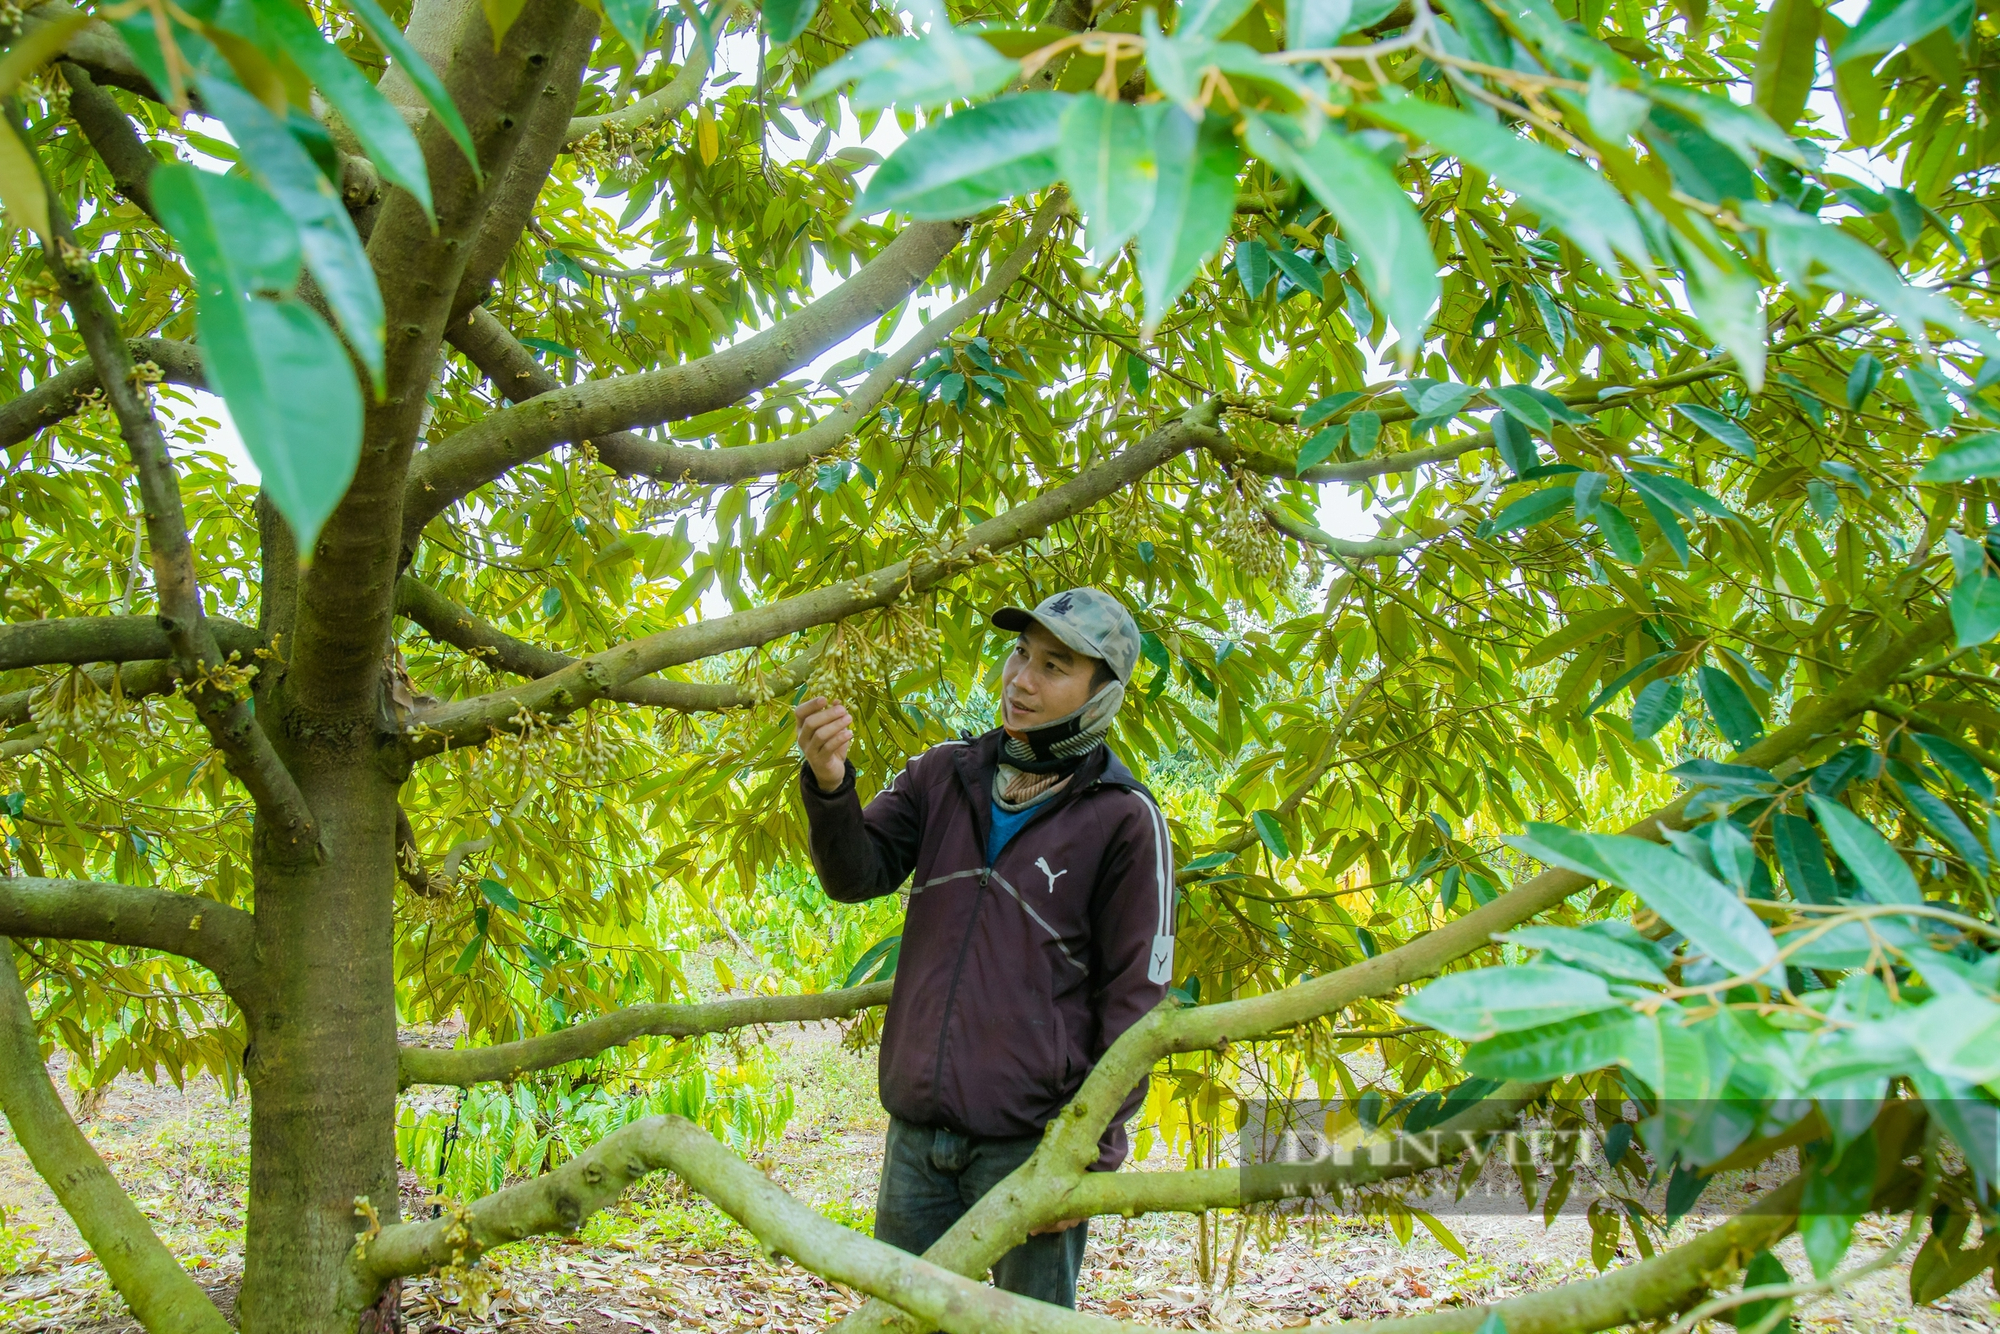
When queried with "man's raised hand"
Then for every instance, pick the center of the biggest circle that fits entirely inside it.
(826, 730)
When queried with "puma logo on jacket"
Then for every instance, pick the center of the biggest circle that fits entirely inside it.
(1007, 991)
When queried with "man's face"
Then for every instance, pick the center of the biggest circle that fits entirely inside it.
(1042, 680)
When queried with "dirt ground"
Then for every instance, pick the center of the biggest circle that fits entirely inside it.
(664, 1261)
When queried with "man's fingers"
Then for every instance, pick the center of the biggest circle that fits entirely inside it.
(817, 721)
(808, 708)
(831, 735)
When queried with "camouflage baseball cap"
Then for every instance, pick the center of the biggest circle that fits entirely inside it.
(1089, 620)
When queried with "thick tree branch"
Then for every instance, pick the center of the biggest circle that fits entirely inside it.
(451, 469)
(512, 368)
(110, 132)
(512, 205)
(508, 1060)
(1314, 536)
(82, 639)
(346, 596)
(999, 1220)
(939, 1298)
(63, 394)
(161, 1294)
(214, 935)
(449, 623)
(470, 722)
(231, 724)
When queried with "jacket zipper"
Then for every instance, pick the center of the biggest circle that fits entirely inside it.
(951, 992)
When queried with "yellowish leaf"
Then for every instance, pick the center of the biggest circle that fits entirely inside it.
(706, 141)
(21, 185)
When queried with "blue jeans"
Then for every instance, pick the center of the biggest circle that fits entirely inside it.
(930, 1177)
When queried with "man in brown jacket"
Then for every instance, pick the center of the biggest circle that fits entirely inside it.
(1040, 924)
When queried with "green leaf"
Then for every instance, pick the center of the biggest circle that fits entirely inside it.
(389, 39)
(1725, 429)
(1727, 301)
(288, 383)
(1105, 150)
(1272, 833)
(378, 126)
(1874, 862)
(1194, 203)
(944, 65)
(1619, 534)
(1802, 858)
(1807, 251)
(1973, 457)
(1888, 24)
(1567, 1047)
(784, 20)
(632, 20)
(1363, 430)
(1658, 704)
(1561, 188)
(1528, 511)
(884, 953)
(1481, 1002)
(1787, 57)
(1766, 1270)
(1375, 216)
(1590, 949)
(976, 157)
(1524, 407)
(1559, 846)
(1942, 819)
(1958, 762)
(1734, 715)
(1210, 18)
(1861, 381)
(1975, 609)
(468, 956)
(1690, 900)
(1837, 1194)
(1687, 501)
(1928, 392)
(499, 895)
(1253, 267)
(1154, 651)
(1625, 678)
(1300, 270)
(1320, 447)
(1313, 25)
(326, 233)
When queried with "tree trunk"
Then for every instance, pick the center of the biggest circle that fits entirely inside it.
(321, 1063)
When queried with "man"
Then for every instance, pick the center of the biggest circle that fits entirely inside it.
(1040, 924)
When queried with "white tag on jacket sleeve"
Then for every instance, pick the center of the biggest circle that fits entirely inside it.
(1161, 969)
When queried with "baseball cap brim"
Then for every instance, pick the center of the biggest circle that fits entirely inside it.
(1018, 619)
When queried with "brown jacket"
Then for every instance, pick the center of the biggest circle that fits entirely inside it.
(1014, 977)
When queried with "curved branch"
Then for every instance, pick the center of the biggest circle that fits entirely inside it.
(998, 1220)
(145, 1273)
(83, 639)
(449, 623)
(62, 395)
(216, 936)
(231, 724)
(453, 468)
(506, 362)
(664, 104)
(508, 1060)
(473, 721)
(1314, 536)
(110, 132)
(939, 1298)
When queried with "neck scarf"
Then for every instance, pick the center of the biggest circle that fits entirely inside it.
(1038, 763)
